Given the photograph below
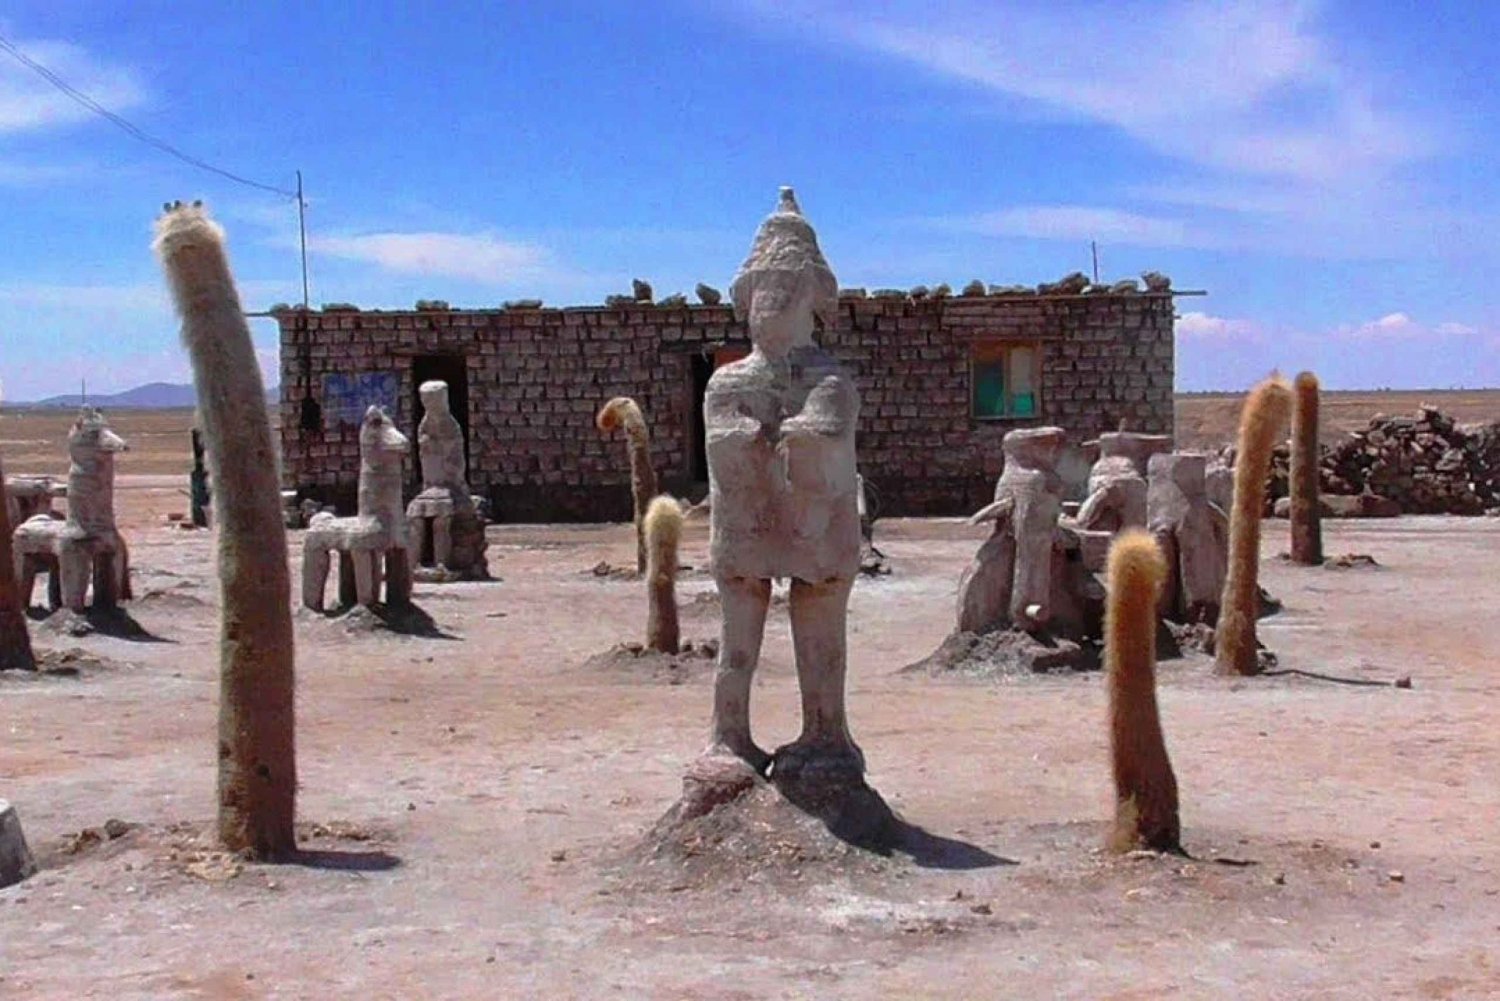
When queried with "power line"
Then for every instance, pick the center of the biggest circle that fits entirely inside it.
(79, 97)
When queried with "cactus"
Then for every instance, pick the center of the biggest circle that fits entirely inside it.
(663, 532)
(257, 785)
(1265, 413)
(15, 641)
(1306, 518)
(1145, 788)
(623, 412)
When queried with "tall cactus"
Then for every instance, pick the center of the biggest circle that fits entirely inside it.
(1306, 516)
(623, 412)
(257, 749)
(1145, 788)
(1263, 417)
(663, 532)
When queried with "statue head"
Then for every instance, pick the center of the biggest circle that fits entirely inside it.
(92, 436)
(785, 282)
(1187, 471)
(434, 395)
(379, 439)
(1034, 448)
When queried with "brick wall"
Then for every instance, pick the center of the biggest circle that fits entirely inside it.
(536, 377)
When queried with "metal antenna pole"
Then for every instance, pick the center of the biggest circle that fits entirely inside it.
(1094, 249)
(302, 232)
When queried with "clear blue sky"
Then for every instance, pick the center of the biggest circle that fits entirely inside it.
(1327, 171)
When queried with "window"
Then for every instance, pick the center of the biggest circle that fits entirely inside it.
(1003, 379)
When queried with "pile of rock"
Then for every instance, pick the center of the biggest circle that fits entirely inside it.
(1426, 464)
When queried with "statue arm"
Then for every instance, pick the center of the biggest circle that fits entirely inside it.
(831, 411)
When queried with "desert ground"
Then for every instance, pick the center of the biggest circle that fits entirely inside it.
(474, 800)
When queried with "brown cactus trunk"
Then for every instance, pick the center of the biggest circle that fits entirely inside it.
(663, 532)
(257, 750)
(1306, 516)
(623, 412)
(1264, 415)
(1145, 788)
(15, 641)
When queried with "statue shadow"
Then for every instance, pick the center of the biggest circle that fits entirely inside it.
(331, 860)
(115, 623)
(857, 815)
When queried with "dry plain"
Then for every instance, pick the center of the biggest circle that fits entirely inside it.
(472, 798)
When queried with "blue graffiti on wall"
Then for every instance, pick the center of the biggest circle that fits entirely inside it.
(347, 397)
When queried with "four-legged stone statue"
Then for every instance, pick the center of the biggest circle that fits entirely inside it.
(783, 490)
(373, 544)
(86, 547)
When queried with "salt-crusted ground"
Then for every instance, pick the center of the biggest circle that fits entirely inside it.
(472, 799)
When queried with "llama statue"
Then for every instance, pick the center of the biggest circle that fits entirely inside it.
(86, 544)
(372, 545)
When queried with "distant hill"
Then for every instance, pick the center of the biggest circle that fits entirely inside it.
(151, 396)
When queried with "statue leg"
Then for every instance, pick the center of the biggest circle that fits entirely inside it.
(442, 540)
(745, 601)
(106, 580)
(26, 577)
(364, 576)
(819, 615)
(75, 566)
(985, 589)
(397, 577)
(314, 576)
(122, 570)
(348, 594)
(54, 582)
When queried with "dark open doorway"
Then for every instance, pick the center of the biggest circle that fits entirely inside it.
(454, 370)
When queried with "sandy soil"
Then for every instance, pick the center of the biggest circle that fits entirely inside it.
(473, 800)
(1208, 420)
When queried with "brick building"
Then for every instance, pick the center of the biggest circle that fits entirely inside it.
(941, 381)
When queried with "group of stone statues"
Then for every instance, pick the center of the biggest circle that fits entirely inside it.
(1036, 572)
(439, 535)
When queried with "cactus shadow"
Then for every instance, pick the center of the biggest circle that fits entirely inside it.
(332, 860)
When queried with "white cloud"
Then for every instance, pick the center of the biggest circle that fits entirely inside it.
(482, 258)
(1455, 329)
(1402, 326)
(1249, 86)
(1080, 222)
(1206, 327)
(29, 102)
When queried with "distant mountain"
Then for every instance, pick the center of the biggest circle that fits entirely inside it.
(152, 396)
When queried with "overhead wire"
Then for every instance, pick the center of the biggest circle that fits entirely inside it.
(131, 129)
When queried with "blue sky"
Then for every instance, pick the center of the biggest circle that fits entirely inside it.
(1325, 170)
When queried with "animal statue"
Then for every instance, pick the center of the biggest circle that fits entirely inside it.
(86, 546)
(1192, 533)
(781, 462)
(373, 544)
(1117, 481)
(1030, 573)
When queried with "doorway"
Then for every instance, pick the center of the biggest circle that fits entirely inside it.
(454, 370)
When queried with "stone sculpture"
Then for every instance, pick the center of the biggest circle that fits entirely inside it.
(780, 428)
(447, 529)
(624, 413)
(16, 862)
(1264, 415)
(28, 496)
(1193, 534)
(86, 545)
(373, 545)
(256, 747)
(1145, 787)
(1117, 481)
(1020, 577)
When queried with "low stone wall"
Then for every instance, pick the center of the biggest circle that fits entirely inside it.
(536, 376)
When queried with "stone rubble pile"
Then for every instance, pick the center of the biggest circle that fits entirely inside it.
(1426, 464)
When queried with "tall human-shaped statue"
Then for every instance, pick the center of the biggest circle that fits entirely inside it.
(781, 470)
(448, 533)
